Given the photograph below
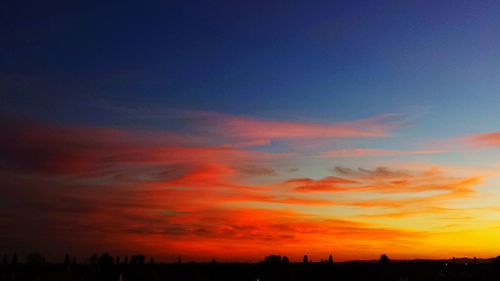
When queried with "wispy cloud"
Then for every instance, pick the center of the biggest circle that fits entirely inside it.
(266, 129)
(366, 152)
(486, 139)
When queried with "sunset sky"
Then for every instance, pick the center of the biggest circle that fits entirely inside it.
(239, 129)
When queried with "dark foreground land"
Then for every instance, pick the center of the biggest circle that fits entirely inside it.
(394, 270)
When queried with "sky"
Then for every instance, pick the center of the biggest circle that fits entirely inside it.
(239, 129)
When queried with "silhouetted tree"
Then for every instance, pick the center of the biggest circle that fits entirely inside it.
(14, 259)
(306, 259)
(285, 260)
(330, 259)
(34, 259)
(67, 260)
(141, 259)
(496, 261)
(384, 259)
(105, 259)
(475, 261)
(273, 259)
(137, 259)
(93, 259)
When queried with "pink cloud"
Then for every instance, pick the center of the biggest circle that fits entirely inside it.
(364, 152)
(486, 140)
(266, 129)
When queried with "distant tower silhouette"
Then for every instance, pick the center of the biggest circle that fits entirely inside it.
(179, 260)
(475, 261)
(306, 259)
(74, 261)
(14, 259)
(330, 259)
(67, 260)
(453, 261)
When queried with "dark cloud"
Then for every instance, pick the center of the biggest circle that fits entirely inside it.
(377, 172)
(257, 170)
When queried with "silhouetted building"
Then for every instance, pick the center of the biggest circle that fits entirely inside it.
(67, 260)
(306, 259)
(14, 259)
(330, 259)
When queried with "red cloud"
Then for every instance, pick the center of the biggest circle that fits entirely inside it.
(166, 193)
(327, 184)
(63, 150)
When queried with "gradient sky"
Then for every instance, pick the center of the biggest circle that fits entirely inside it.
(239, 129)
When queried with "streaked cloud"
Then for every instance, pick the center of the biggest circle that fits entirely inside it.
(365, 152)
(486, 139)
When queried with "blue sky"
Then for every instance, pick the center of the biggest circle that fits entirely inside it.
(331, 60)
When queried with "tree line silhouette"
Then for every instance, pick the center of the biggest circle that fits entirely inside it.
(273, 267)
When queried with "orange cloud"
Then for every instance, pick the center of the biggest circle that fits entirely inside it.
(164, 193)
